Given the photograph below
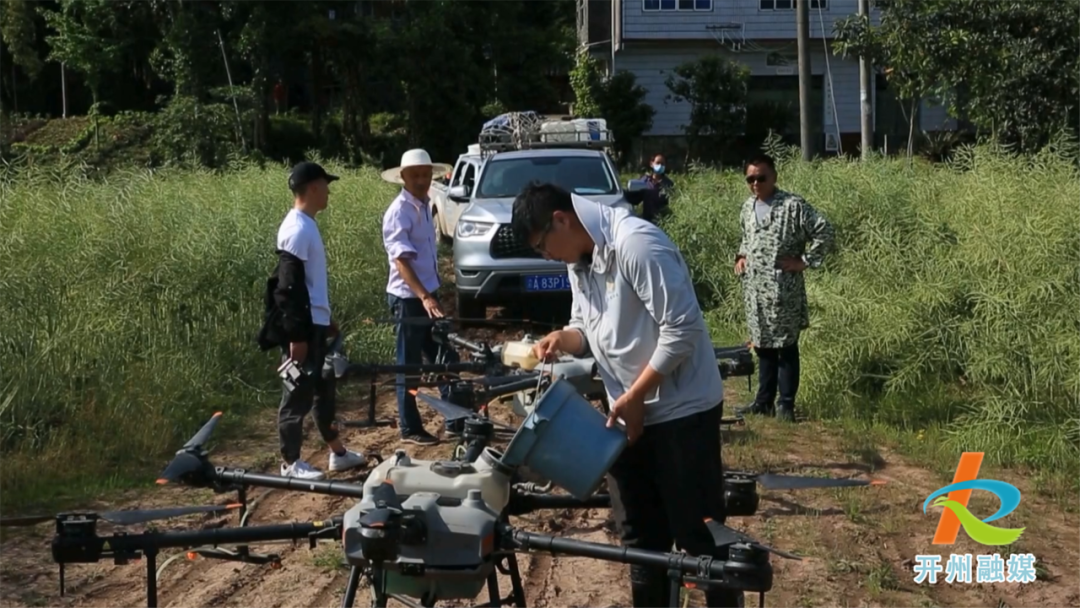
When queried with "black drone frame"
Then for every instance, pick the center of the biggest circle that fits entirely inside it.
(484, 362)
(497, 379)
(746, 567)
(740, 487)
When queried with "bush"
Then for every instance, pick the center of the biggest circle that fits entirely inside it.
(950, 300)
(132, 307)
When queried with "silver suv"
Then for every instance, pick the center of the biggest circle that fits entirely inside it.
(490, 266)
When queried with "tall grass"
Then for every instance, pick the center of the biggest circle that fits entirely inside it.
(951, 301)
(130, 310)
(130, 305)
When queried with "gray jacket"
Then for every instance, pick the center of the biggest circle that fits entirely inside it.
(635, 306)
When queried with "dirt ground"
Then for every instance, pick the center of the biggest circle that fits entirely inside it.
(858, 545)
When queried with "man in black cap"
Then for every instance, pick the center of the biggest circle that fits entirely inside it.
(302, 304)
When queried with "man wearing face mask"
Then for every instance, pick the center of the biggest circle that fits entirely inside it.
(409, 239)
(782, 235)
(655, 200)
(634, 310)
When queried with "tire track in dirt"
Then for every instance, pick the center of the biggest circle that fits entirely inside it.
(299, 580)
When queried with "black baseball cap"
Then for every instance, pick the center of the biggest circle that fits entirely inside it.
(307, 172)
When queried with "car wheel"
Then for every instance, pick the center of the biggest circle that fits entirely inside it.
(469, 307)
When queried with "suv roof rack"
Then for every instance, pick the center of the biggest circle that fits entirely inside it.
(529, 130)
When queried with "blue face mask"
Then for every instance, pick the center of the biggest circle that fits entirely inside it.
(659, 169)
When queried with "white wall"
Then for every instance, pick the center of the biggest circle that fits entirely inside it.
(651, 63)
(754, 23)
(652, 66)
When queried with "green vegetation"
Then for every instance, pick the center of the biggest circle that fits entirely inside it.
(949, 307)
(947, 314)
(132, 307)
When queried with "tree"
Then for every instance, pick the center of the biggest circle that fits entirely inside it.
(622, 104)
(85, 39)
(19, 32)
(588, 83)
(716, 89)
(1011, 67)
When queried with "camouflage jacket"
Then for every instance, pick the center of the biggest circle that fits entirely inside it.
(775, 300)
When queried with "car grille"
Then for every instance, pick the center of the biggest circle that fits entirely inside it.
(504, 245)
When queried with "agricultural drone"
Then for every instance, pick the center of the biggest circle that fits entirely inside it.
(468, 403)
(740, 487)
(421, 531)
(496, 377)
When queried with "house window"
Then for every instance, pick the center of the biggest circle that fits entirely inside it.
(789, 5)
(676, 5)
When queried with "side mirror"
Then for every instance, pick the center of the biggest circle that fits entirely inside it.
(459, 192)
(636, 185)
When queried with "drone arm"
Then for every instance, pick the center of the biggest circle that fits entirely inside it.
(73, 545)
(277, 482)
(700, 567)
(371, 369)
(508, 388)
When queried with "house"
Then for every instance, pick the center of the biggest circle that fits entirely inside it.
(651, 37)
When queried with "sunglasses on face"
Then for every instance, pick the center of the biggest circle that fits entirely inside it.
(759, 179)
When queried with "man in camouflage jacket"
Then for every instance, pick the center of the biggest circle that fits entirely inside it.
(782, 235)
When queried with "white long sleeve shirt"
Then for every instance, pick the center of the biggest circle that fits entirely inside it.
(635, 306)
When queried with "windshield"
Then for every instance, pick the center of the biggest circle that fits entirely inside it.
(579, 174)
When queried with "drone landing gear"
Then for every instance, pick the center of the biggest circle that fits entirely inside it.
(370, 421)
(351, 587)
(506, 565)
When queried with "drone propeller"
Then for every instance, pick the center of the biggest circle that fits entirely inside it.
(792, 482)
(723, 535)
(189, 459)
(453, 412)
(127, 518)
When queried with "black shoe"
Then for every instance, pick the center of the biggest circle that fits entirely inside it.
(421, 438)
(754, 409)
(786, 414)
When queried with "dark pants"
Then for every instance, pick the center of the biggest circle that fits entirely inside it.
(663, 487)
(317, 392)
(777, 366)
(414, 344)
(654, 205)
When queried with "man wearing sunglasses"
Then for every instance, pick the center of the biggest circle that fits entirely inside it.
(782, 235)
(634, 310)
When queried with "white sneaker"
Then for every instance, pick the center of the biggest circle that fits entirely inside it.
(301, 470)
(349, 461)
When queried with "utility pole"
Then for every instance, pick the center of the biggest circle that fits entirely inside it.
(63, 89)
(802, 25)
(865, 93)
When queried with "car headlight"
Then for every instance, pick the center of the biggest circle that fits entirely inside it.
(467, 229)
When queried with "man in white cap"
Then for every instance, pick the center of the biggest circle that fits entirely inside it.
(409, 239)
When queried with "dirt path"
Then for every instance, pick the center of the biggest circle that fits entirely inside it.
(858, 545)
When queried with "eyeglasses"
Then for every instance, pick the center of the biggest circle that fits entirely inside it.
(760, 179)
(539, 247)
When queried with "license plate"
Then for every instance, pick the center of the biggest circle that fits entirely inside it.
(547, 282)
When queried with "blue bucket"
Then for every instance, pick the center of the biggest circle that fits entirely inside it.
(565, 440)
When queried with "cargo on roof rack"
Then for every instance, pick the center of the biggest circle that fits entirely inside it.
(529, 130)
